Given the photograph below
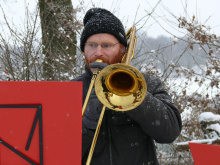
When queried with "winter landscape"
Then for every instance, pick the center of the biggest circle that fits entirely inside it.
(188, 64)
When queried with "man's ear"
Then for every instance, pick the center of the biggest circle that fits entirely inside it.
(122, 50)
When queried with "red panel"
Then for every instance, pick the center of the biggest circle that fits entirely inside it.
(204, 154)
(15, 126)
(61, 117)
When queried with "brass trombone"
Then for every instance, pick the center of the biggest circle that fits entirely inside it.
(119, 87)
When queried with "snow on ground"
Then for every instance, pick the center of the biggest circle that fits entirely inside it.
(209, 116)
(203, 141)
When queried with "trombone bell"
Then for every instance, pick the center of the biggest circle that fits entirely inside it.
(121, 82)
(120, 87)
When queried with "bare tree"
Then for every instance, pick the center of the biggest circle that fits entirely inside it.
(59, 38)
(26, 56)
(20, 50)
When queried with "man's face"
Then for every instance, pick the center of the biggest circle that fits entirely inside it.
(109, 55)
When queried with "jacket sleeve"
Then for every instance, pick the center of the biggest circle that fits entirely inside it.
(157, 115)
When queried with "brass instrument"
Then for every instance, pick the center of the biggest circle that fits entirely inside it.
(119, 87)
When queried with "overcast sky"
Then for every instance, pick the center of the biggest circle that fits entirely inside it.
(130, 11)
(207, 12)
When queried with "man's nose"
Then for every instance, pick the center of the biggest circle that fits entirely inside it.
(99, 51)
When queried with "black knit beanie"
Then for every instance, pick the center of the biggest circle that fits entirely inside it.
(99, 20)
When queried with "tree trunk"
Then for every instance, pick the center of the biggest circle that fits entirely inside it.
(58, 38)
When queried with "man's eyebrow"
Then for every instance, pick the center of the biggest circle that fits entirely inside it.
(90, 42)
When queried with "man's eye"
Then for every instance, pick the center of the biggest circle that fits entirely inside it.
(105, 45)
(92, 45)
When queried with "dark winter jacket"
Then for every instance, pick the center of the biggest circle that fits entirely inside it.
(127, 138)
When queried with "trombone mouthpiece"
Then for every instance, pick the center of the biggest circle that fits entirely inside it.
(98, 60)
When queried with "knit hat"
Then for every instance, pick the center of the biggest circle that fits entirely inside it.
(99, 20)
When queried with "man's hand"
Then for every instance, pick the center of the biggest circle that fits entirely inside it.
(94, 106)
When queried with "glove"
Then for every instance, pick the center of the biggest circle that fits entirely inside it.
(99, 65)
(93, 111)
(94, 106)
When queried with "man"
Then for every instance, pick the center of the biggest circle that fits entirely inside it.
(125, 138)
